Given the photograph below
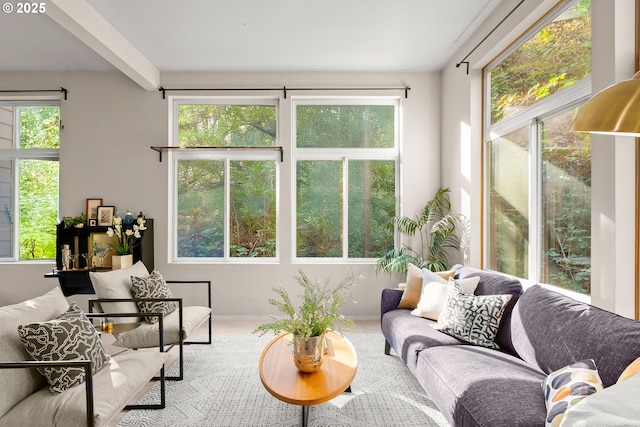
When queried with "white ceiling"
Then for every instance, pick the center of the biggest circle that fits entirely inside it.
(240, 35)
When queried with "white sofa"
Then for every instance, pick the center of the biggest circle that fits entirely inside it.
(25, 398)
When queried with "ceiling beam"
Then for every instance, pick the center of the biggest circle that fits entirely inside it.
(87, 25)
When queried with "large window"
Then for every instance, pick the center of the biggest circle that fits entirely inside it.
(225, 197)
(538, 172)
(29, 143)
(345, 156)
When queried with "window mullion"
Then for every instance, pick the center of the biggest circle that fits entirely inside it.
(535, 201)
(345, 208)
(227, 208)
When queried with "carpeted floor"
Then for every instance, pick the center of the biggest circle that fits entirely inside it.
(222, 388)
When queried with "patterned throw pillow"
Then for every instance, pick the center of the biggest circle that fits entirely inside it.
(471, 318)
(152, 286)
(567, 386)
(70, 336)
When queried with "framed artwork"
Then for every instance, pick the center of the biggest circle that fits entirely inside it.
(105, 215)
(93, 221)
(92, 208)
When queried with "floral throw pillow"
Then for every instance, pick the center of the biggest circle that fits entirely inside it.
(472, 318)
(567, 386)
(70, 336)
(152, 286)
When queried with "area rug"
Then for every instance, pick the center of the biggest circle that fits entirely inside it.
(222, 388)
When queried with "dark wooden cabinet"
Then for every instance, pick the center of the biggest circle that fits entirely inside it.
(76, 281)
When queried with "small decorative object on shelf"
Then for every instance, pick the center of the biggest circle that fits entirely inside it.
(99, 252)
(74, 221)
(128, 220)
(317, 314)
(121, 261)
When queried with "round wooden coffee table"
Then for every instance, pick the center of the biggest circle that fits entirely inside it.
(284, 381)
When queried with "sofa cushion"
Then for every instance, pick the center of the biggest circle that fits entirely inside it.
(472, 318)
(408, 335)
(117, 284)
(416, 278)
(23, 382)
(70, 336)
(152, 286)
(113, 386)
(412, 289)
(567, 386)
(434, 295)
(496, 284)
(477, 386)
(549, 329)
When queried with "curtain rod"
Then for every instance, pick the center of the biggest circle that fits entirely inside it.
(61, 90)
(464, 60)
(284, 89)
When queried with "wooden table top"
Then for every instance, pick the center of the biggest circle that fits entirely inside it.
(284, 381)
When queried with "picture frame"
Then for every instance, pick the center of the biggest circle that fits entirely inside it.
(93, 222)
(92, 208)
(105, 215)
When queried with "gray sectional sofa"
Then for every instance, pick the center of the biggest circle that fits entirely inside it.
(540, 332)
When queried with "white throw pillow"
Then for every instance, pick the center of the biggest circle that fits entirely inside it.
(434, 295)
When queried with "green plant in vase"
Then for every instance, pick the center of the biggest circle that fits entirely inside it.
(308, 323)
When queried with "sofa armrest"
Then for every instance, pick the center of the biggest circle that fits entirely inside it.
(390, 300)
(84, 364)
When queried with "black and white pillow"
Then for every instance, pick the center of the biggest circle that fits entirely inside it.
(472, 318)
(70, 336)
(152, 286)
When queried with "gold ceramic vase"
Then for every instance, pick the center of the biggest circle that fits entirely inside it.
(308, 353)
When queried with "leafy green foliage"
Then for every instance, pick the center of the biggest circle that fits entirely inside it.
(38, 190)
(318, 311)
(440, 232)
(556, 57)
(201, 183)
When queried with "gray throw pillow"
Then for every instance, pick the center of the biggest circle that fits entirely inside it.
(471, 318)
(152, 286)
(70, 336)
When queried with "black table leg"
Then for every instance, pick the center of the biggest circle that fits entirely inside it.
(305, 415)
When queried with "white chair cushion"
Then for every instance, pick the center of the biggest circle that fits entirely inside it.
(113, 386)
(146, 334)
(117, 284)
(23, 382)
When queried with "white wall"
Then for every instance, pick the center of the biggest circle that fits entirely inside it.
(110, 123)
(613, 212)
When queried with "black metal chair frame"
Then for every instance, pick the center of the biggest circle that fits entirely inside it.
(182, 342)
(86, 366)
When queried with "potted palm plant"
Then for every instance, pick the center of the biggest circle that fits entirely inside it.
(441, 232)
(308, 324)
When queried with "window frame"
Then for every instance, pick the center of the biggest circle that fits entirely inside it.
(174, 156)
(344, 155)
(14, 155)
(531, 116)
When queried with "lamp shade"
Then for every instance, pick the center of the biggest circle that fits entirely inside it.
(615, 110)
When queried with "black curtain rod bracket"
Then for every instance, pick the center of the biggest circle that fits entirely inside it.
(284, 89)
(61, 90)
(464, 60)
